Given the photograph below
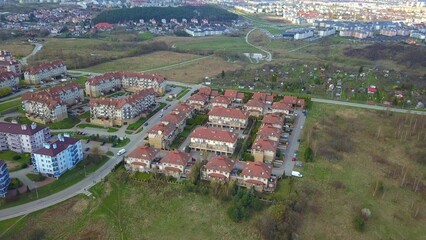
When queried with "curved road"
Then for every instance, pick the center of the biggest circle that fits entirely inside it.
(268, 54)
(38, 47)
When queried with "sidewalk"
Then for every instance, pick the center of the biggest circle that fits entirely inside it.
(21, 175)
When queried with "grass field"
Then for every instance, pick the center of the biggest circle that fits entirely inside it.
(132, 211)
(364, 159)
(65, 124)
(142, 63)
(10, 104)
(15, 161)
(217, 43)
(18, 49)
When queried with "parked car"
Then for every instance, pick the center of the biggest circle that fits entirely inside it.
(121, 152)
(296, 174)
(87, 149)
(146, 124)
(103, 143)
(88, 140)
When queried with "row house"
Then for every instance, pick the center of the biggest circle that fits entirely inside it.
(132, 81)
(175, 163)
(269, 132)
(264, 150)
(264, 97)
(57, 157)
(290, 100)
(22, 137)
(212, 140)
(221, 101)
(70, 94)
(4, 178)
(234, 95)
(183, 108)
(219, 169)
(9, 79)
(141, 158)
(162, 135)
(255, 107)
(274, 120)
(43, 108)
(281, 107)
(259, 176)
(34, 75)
(120, 111)
(199, 101)
(178, 119)
(228, 118)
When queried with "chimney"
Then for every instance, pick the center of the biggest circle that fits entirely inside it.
(66, 135)
(33, 125)
(24, 127)
(46, 145)
(54, 146)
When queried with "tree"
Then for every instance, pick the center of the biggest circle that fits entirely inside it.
(196, 172)
(309, 154)
(95, 155)
(222, 75)
(5, 91)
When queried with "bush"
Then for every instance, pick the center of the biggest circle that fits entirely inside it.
(309, 154)
(16, 157)
(359, 224)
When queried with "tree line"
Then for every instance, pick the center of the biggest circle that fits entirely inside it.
(212, 13)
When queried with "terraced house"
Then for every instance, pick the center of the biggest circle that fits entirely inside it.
(34, 75)
(228, 118)
(43, 108)
(141, 158)
(22, 137)
(131, 81)
(175, 163)
(119, 111)
(162, 135)
(219, 168)
(9, 79)
(212, 140)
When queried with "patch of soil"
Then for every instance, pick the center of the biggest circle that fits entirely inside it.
(45, 182)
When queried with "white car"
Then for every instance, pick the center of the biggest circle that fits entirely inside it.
(296, 174)
(121, 152)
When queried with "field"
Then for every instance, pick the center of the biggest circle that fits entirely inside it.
(18, 49)
(10, 104)
(131, 210)
(364, 159)
(15, 161)
(216, 43)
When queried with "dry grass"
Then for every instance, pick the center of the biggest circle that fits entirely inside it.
(374, 152)
(144, 62)
(18, 49)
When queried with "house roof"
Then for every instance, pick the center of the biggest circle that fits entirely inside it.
(273, 119)
(163, 129)
(144, 153)
(261, 96)
(257, 169)
(301, 102)
(176, 157)
(38, 69)
(103, 25)
(5, 76)
(264, 144)
(182, 108)
(228, 112)
(253, 181)
(240, 96)
(222, 100)
(282, 105)
(232, 94)
(174, 118)
(199, 97)
(205, 90)
(220, 163)
(290, 99)
(255, 103)
(60, 147)
(120, 102)
(269, 131)
(14, 128)
(217, 175)
(96, 80)
(42, 97)
(54, 91)
(214, 134)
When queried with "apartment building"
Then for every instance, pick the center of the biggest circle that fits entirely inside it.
(178, 119)
(162, 135)
(264, 150)
(43, 108)
(221, 101)
(219, 169)
(212, 140)
(259, 176)
(4, 178)
(34, 75)
(9, 64)
(70, 94)
(141, 158)
(175, 163)
(131, 81)
(119, 111)
(21, 137)
(9, 79)
(57, 157)
(228, 118)
(184, 109)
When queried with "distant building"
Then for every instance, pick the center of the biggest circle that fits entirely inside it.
(9, 64)
(205, 31)
(4, 178)
(9, 79)
(104, 26)
(324, 32)
(298, 34)
(22, 137)
(34, 75)
(57, 157)
(213, 140)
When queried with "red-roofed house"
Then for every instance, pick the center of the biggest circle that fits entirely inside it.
(274, 120)
(175, 163)
(255, 107)
(264, 150)
(212, 140)
(292, 100)
(219, 168)
(198, 101)
(205, 90)
(178, 120)
(161, 135)
(221, 101)
(234, 95)
(141, 158)
(104, 26)
(228, 118)
(301, 103)
(282, 107)
(258, 175)
(43, 108)
(269, 132)
(35, 74)
(184, 108)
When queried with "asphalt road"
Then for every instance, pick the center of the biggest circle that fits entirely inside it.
(93, 178)
(38, 47)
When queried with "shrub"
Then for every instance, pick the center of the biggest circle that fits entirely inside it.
(309, 154)
(16, 157)
(359, 224)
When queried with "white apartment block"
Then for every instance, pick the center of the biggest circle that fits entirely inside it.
(8, 79)
(113, 111)
(22, 138)
(35, 74)
(57, 157)
(132, 81)
(42, 108)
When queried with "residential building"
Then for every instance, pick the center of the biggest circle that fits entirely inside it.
(34, 75)
(274, 120)
(10, 66)
(9, 79)
(43, 108)
(184, 108)
(234, 95)
(281, 107)
(213, 140)
(324, 32)
(131, 81)
(255, 107)
(162, 135)
(70, 94)
(291, 100)
(269, 132)
(264, 150)
(219, 168)
(198, 101)
(258, 175)
(119, 111)
(221, 101)
(21, 137)
(228, 118)
(141, 158)
(300, 103)
(58, 156)
(4, 178)
(175, 163)
(178, 119)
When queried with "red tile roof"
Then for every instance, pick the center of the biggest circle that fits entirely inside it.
(264, 145)
(174, 118)
(176, 157)
(290, 99)
(301, 102)
(222, 100)
(96, 80)
(269, 131)
(199, 97)
(5, 76)
(214, 93)
(38, 69)
(257, 169)
(144, 153)
(228, 112)
(182, 108)
(255, 103)
(253, 181)
(163, 128)
(232, 94)
(42, 97)
(273, 119)
(240, 96)
(261, 96)
(282, 105)
(214, 134)
(104, 25)
(120, 102)
(220, 163)
(205, 90)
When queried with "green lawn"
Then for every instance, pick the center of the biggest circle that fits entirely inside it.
(218, 43)
(85, 115)
(66, 180)
(81, 80)
(14, 160)
(111, 130)
(21, 120)
(138, 124)
(182, 93)
(88, 125)
(122, 143)
(180, 138)
(10, 104)
(35, 177)
(69, 122)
